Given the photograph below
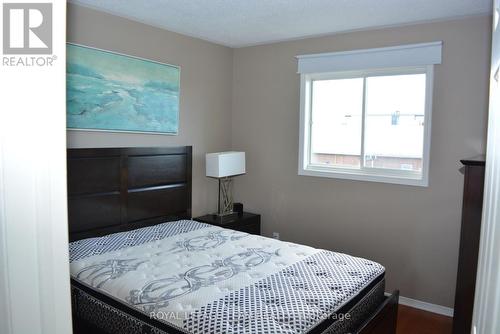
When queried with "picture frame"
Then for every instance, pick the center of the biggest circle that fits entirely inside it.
(113, 92)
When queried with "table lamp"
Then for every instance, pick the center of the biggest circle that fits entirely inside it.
(224, 166)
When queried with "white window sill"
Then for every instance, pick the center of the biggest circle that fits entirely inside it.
(361, 175)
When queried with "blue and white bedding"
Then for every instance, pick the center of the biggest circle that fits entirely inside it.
(205, 279)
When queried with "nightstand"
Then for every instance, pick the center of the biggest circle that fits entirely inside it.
(248, 222)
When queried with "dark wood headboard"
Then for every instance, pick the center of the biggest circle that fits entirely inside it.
(120, 189)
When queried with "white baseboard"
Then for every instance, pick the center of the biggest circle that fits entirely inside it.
(443, 310)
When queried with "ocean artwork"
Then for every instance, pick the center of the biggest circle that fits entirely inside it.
(113, 92)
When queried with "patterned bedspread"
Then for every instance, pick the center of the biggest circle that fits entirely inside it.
(205, 279)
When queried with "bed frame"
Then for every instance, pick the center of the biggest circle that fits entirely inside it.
(119, 189)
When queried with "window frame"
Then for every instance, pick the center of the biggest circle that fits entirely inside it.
(370, 174)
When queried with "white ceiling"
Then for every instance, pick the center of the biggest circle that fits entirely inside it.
(238, 23)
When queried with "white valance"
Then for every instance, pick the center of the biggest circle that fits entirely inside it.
(396, 56)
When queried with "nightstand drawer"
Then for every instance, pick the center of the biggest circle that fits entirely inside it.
(248, 222)
(250, 228)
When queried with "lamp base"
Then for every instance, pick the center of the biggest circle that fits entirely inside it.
(225, 201)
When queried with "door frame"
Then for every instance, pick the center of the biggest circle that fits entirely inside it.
(487, 305)
(34, 276)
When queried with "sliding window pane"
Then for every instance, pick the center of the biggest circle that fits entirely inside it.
(336, 122)
(394, 123)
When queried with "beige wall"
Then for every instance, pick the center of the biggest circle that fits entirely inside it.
(412, 231)
(205, 103)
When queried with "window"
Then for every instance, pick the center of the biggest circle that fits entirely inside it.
(371, 123)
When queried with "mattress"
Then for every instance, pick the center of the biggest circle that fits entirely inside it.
(198, 278)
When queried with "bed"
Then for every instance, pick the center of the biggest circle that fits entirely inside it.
(139, 264)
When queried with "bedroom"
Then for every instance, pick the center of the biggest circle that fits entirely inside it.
(241, 69)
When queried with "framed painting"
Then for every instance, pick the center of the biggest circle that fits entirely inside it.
(107, 91)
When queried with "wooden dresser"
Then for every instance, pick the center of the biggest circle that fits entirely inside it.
(469, 244)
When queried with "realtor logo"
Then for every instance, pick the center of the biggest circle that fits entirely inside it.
(27, 28)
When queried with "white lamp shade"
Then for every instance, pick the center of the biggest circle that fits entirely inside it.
(224, 164)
